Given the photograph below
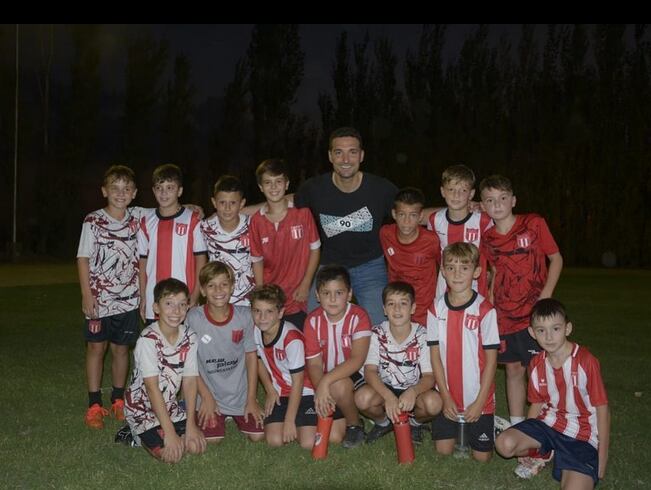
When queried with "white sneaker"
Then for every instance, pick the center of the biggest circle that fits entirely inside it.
(500, 424)
(529, 467)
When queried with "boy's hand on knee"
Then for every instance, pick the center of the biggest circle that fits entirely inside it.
(195, 442)
(392, 407)
(289, 431)
(472, 412)
(407, 400)
(449, 408)
(323, 401)
(253, 409)
(172, 451)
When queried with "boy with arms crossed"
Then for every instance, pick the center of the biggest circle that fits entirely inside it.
(398, 371)
(165, 359)
(228, 364)
(289, 404)
(463, 335)
(569, 407)
(337, 337)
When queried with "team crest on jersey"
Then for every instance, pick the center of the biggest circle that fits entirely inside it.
(419, 259)
(391, 251)
(133, 225)
(181, 229)
(183, 353)
(524, 240)
(265, 239)
(280, 354)
(472, 235)
(244, 241)
(412, 352)
(237, 336)
(471, 322)
(297, 232)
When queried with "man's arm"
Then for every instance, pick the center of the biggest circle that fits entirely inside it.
(553, 274)
(88, 301)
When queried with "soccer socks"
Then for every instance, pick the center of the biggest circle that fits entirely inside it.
(516, 420)
(117, 394)
(95, 397)
(384, 422)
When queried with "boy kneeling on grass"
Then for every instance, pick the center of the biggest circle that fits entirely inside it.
(569, 407)
(289, 404)
(398, 371)
(165, 359)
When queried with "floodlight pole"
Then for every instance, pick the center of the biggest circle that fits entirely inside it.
(14, 243)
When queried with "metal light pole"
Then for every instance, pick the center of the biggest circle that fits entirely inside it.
(14, 244)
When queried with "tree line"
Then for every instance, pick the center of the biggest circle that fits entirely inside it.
(564, 111)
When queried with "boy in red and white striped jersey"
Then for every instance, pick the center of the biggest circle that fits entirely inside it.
(569, 407)
(463, 336)
(289, 404)
(170, 243)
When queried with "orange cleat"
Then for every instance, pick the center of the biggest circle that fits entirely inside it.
(95, 416)
(117, 409)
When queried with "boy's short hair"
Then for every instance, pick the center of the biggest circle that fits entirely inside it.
(457, 173)
(273, 167)
(345, 132)
(464, 252)
(118, 172)
(228, 183)
(409, 195)
(271, 293)
(498, 182)
(548, 307)
(214, 269)
(167, 172)
(332, 272)
(398, 287)
(168, 287)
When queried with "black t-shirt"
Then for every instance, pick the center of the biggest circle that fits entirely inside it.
(349, 223)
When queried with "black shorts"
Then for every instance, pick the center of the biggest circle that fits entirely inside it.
(517, 347)
(569, 454)
(358, 380)
(480, 434)
(120, 329)
(153, 439)
(305, 416)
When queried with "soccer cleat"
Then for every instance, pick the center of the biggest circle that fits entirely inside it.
(417, 433)
(117, 409)
(95, 416)
(500, 424)
(125, 436)
(377, 431)
(354, 436)
(529, 467)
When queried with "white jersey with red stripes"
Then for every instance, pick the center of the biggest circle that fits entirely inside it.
(284, 356)
(169, 243)
(232, 248)
(463, 334)
(334, 341)
(570, 394)
(468, 230)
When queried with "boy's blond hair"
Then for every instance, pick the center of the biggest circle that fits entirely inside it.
(214, 269)
(118, 172)
(466, 253)
(458, 173)
(498, 182)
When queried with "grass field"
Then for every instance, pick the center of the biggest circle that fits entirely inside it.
(44, 443)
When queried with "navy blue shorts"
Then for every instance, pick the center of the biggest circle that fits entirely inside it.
(569, 454)
(120, 329)
(517, 347)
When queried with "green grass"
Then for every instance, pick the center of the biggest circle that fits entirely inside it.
(44, 443)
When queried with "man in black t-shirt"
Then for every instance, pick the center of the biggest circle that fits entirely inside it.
(349, 207)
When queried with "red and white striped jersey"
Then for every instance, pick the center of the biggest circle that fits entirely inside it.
(468, 230)
(284, 248)
(284, 356)
(569, 394)
(169, 244)
(232, 248)
(463, 333)
(334, 341)
(415, 263)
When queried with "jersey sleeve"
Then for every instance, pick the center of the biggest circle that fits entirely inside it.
(363, 327)
(145, 357)
(425, 360)
(191, 368)
(199, 244)
(85, 240)
(143, 238)
(312, 348)
(596, 388)
(533, 393)
(249, 339)
(490, 337)
(254, 238)
(432, 327)
(312, 232)
(373, 356)
(547, 242)
(295, 352)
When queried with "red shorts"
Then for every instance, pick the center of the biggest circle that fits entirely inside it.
(216, 428)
